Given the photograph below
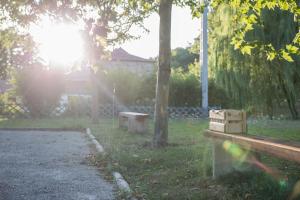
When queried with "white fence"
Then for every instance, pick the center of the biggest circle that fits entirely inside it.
(174, 112)
(105, 111)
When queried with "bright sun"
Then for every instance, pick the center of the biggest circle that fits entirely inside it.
(58, 43)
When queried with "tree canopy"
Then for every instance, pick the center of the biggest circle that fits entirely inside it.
(247, 14)
(254, 80)
(182, 57)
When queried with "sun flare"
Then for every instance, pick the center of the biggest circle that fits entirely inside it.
(57, 42)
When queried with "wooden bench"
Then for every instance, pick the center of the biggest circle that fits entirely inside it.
(134, 122)
(222, 160)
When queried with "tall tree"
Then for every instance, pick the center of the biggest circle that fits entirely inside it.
(162, 87)
(164, 8)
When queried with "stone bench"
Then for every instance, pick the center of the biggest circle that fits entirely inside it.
(134, 122)
(223, 157)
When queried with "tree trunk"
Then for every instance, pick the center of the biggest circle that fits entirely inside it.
(160, 138)
(99, 30)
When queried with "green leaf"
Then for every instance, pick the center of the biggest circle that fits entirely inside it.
(252, 19)
(235, 3)
(284, 5)
(271, 5)
(246, 49)
(249, 27)
(147, 6)
(292, 49)
(236, 42)
(271, 56)
(297, 38)
(286, 56)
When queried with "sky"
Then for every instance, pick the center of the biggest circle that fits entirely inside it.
(56, 45)
(184, 30)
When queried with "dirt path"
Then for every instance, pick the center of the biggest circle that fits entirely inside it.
(42, 165)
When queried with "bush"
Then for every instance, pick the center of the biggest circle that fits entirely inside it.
(78, 106)
(40, 89)
(130, 89)
(217, 96)
(184, 89)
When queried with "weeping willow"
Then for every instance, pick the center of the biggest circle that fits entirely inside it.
(251, 81)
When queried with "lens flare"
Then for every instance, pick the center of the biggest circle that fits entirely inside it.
(58, 42)
(243, 156)
(235, 151)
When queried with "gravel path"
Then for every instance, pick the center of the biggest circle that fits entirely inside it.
(42, 165)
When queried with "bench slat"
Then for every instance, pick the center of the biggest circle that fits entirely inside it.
(132, 114)
(282, 150)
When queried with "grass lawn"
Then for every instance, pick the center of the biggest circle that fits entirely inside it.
(183, 169)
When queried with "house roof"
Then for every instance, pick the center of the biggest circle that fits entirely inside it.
(120, 54)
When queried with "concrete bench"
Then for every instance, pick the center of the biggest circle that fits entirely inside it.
(223, 159)
(134, 122)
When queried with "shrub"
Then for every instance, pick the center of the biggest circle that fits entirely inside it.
(130, 89)
(217, 96)
(39, 88)
(184, 89)
(78, 106)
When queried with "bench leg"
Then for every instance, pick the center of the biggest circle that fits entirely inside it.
(123, 122)
(137, 126)
(222, 161)
(131, 127)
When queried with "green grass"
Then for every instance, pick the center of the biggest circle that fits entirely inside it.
(158, 174)
(281, 129)
(183, 169)
(63, 123)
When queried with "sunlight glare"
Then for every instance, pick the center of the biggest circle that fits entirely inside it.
(58, 43)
